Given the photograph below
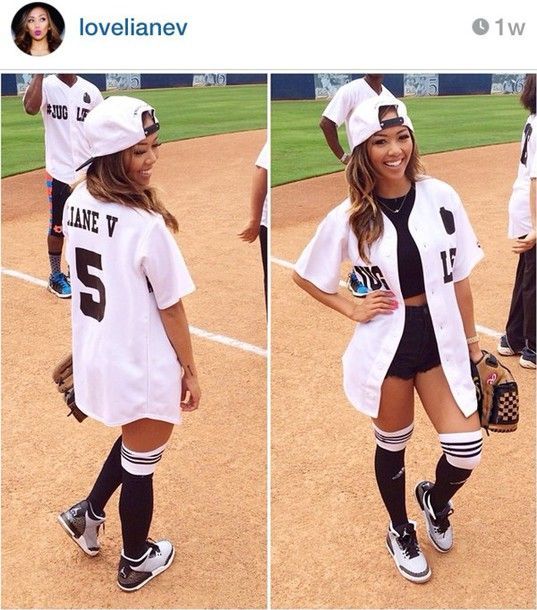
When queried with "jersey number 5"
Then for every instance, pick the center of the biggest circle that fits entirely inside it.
(89, 306)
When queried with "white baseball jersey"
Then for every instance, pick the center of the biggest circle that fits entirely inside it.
(263, 161)
(125, 266)
(519, 203)
(64, 110)
(448, 249)
(345, 101)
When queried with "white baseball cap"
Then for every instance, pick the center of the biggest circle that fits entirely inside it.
(116, 124)
(364, 121)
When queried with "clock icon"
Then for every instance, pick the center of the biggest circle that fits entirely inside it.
(480, 26)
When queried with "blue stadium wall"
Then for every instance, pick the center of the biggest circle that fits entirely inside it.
(148, 81)
(302, 86)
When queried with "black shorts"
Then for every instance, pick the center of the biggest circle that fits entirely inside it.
(57, 196)
(417, 351)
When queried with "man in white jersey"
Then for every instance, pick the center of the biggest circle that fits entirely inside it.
(341, 106)
(64, 101)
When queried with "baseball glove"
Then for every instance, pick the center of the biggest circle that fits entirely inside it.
(497, 394)
(63, 377)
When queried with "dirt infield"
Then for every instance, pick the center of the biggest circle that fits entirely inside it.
(210, 488)
(328, 522)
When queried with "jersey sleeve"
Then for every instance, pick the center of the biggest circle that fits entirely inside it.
(339, 106)
(320, 262)
(263, 158)
(98, 98)
(164, 266)
(469, 251)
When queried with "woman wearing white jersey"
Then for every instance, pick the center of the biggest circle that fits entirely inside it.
(411, 244)
(132, 354)
(519, 337)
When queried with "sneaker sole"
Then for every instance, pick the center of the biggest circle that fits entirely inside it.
(527, 364)
(406, 575)
(79, 541)
(153, 574)
(57, 294)
(423, 512)
(505, 351)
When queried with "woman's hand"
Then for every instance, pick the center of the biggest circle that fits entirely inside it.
(378, 302)
(526, 243)
(475, 352)
(251, 231)
(190, 393)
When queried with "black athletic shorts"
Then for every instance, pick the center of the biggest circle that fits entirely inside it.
(417, 351)
(57, 196)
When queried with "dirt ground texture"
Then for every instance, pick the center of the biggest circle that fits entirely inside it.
(328, 521)
(210, 487)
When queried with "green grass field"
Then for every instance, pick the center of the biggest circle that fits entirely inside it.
(299, 149)
(188, 112)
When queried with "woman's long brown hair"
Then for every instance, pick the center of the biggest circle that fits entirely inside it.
(107, 181)
(365, 216)
(527, 97)
(23, 39)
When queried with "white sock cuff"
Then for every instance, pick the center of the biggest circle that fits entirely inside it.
(393, 441)
(462, 449)
(141, 463)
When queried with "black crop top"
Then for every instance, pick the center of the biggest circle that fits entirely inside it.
(408, 257)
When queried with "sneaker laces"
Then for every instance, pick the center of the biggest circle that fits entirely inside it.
(441, 520)
(155, 549)
(61, 280)
(408, 542)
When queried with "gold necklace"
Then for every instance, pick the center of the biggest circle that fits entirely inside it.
(379, 199)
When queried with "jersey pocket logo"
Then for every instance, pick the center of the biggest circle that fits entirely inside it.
(448, 220)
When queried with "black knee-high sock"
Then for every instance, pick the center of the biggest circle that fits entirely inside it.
(135, 512)
(449, 479)
(390, 473)
(108, 480)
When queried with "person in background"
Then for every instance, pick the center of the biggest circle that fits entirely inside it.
(340, 108)
(519, 337)
(258, 224)
(64, 101)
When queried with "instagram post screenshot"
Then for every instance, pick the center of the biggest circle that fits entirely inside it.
(268, 305)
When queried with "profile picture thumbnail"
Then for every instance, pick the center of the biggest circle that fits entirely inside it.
(38, 28)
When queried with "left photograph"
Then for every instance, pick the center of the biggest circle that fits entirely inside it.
(134, 355)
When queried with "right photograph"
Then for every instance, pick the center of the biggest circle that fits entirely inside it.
(403, 340)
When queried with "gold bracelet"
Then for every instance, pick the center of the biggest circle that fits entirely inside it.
(474, 339)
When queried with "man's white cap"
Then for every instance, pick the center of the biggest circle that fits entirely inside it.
(116, 124)
(364, 121)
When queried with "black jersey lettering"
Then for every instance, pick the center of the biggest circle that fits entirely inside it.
(86, 262)
(448, 258)
(58, 111)
(371, 277)
(81, 114)
(83, 219)
(527, 135)
(111, 224)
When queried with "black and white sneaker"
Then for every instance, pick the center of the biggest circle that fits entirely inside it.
(403, 546)
(439, 529)
(134, 574)
(504, 348)
(82, 527)
(527, 358)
